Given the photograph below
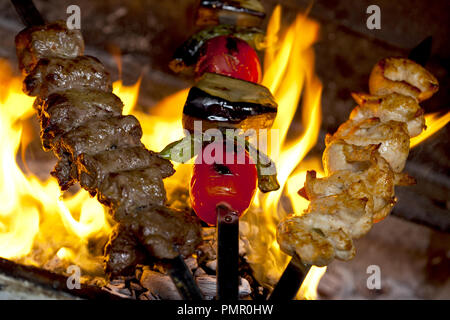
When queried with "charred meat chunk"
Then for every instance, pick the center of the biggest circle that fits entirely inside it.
(122, 252)
(127, 190)
(93, 169)
(56, 74)
(63, 111)
(64, 172)
(164, 232)
(101, 135)
(94, 137)
(152, 231)
(53, 40)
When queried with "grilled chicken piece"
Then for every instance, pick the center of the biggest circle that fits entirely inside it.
(363, 161)
(375, 183)
(125, 191)
(395, 107)
(63, 111)
(57, 74)
(53, 40)
(324, 231)
(93, 169)
(403, 76)
(392, 136)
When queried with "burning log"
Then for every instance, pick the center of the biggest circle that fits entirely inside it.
(53, 281)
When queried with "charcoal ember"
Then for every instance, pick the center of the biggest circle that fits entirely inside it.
(206, 252)
(199, 272)
(212, 264)
(49, 40)
(208, 286)
(118, 288)
(160, 285)
(148, 295)
(191, 263)
(52, 74)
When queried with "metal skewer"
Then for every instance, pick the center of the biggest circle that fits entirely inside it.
(28, 13)
(227, 254)
(179, 272)
(183, 279)
(290, 281)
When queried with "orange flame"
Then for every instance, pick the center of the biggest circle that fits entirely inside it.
(434, 123)
(289, 75)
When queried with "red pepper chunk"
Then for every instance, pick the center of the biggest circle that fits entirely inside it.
(222, 182)
(231, 57)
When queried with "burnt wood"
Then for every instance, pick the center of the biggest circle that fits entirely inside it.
(52, 280)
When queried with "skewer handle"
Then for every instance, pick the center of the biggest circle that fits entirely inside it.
(28, 12)
(227, 254)
(290, 281)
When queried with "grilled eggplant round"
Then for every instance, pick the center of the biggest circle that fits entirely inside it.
(219, 101)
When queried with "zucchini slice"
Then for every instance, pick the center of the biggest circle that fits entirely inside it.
(245, 13)
(188, 53)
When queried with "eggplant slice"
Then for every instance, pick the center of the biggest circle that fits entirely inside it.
(219, 101)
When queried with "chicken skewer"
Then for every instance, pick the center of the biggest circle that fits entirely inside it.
(81, 122)
(363, 161)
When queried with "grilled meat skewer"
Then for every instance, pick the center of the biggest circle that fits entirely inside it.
(363, 161)
(81, 121)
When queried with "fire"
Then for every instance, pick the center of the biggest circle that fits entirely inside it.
(37, 223)
(39, 226)
(434, 123)
(289, 73)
